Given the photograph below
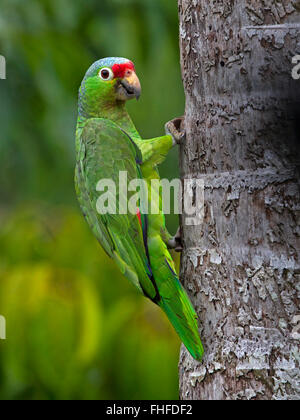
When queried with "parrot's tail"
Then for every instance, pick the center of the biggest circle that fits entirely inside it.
(182, 315)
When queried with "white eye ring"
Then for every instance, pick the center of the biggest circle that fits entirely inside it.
(106, 74)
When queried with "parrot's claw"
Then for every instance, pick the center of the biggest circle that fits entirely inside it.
(176, 129)
(176, 242)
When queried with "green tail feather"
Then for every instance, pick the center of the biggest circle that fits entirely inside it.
(182, 315)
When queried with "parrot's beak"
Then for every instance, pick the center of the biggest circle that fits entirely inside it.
(129, 87)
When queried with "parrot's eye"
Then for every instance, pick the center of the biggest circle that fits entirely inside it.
(106, 74)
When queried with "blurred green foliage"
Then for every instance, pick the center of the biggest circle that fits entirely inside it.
(75, 328)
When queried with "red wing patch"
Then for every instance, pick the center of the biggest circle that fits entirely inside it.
(138, 213)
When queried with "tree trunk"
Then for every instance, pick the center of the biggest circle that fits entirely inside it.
(241, 266)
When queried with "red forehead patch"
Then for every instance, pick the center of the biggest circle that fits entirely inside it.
(120, 69)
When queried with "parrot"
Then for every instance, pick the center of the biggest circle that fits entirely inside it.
(107, 142)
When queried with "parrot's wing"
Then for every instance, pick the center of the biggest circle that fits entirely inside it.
(105, 150)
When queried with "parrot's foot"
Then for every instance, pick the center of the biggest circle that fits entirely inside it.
(176, 129)
(176, 242)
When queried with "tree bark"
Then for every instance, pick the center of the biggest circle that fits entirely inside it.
(241, 266)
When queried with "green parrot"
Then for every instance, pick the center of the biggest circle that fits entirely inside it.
(107, 143)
